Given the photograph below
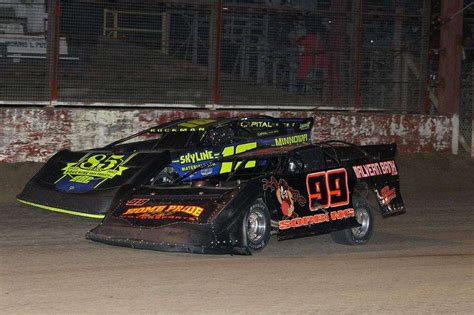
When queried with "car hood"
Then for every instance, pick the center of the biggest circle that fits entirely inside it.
(88, 181)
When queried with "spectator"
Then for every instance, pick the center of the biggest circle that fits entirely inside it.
(313, 62)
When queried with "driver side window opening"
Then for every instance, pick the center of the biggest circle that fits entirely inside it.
(308, 160)
(218, 137)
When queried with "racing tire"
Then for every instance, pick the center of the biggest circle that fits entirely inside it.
(256, 226)
(358, 235)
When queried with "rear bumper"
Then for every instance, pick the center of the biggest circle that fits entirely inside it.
(178, 237)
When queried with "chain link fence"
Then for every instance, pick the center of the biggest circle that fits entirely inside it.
(23, 50)
(362, 54)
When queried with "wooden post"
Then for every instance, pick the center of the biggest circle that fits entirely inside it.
(115, 31)
(104, 23)
(336, 47)
(217, 68)
(165, 33)
(425, 46)
(195, 32)
(472, 112)
(212, 43)
(449, 88)
(357, 54)
(397, 62)
(52, 53)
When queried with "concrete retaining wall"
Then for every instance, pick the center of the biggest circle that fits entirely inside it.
(34, 134)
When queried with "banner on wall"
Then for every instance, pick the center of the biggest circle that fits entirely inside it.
(30, 46)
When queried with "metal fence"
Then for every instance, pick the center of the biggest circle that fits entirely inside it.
(364, 54)
(23, 50)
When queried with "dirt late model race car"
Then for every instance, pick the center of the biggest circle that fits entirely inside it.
(289, 191)
(86, 182)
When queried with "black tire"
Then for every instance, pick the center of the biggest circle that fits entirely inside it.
(256, 226)
(358, 235)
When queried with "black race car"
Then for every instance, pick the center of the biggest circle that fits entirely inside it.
(86, 182)
(288, 191)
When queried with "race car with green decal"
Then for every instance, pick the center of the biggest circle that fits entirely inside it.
(87, 182)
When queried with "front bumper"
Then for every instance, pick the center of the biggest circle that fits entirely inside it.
(90, 204)
(177, 237)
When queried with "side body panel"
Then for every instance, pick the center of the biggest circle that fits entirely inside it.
(310, 203)
(184, 162)
(319, 199)
(377, 170)
(382, 177)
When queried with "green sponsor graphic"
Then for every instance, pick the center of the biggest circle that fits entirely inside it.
(194, 157)
(259, 124)
(190, 167)
(305, 126)
(196, 123)
(74, 170)
(297, 139)
(96, 167)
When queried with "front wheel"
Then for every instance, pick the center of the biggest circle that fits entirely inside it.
(361, 234)
(256, 226)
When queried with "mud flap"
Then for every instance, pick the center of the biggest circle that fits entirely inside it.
(389, 197)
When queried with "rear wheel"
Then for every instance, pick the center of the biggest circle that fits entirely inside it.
(256, 226)
(361, 234)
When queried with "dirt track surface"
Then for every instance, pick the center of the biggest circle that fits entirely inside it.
(420, 262)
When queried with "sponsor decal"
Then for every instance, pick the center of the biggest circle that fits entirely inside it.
(186, 126)
(258, 124)
(375, 169)
(297, 139)
(194, 157)
(227, 167)
(265, 133)
(160, 212)
(316, 219)
(387, 194)
(274, 124)
(95, 169)
(305, 126)
(327, 189)
(196, 123)
(190, 167)
(206, 172)
(167, 130)
(286, 196)
(137, 202)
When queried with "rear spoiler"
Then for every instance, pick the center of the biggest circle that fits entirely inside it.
(379, 171)
(348, 152)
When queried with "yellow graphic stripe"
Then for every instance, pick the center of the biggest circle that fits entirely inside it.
(82, 214)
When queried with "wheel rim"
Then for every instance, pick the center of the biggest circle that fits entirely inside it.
(256, 226)
(363, 218)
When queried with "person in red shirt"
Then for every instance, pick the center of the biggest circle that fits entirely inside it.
(313, 62)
